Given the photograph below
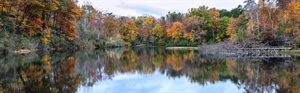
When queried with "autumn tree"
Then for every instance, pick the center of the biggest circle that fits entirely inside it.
(157, 31)
(215, 17)
(139, 20)
(268, 19)
(176, 31)
(252, 9)
(120, 21)
(110, 25)
(189, 37)
(128, 32)
(195, 27)
(68, 12)
(35, 17)
(236, 28)
(202, 22)
(291, 20)
(91, 20)
(146, 29)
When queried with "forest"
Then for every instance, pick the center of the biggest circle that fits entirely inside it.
(64, 25)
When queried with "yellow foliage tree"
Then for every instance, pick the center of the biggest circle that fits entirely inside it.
(189, 37)
(215, 17)
(229, 31)
(147, 26)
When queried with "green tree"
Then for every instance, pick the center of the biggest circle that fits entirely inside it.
(222, 27)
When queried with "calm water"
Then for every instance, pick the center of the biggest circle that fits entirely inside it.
(146, 70)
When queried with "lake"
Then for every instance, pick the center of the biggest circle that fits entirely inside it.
(146, 70)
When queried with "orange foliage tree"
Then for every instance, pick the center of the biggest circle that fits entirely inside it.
(110, 25)
(175, 32)
(128, 32)
(68, 12)
(291, 20)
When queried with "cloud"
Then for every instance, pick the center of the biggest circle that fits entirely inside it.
(142, 9)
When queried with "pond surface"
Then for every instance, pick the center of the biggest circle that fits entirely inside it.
(146, 70)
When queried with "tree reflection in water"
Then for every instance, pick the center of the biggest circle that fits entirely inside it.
(65, 72)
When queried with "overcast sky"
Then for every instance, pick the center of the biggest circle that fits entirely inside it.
(157, 8)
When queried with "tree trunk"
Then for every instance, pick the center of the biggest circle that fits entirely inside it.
(214, 35)
(270, 17)
(27, 9)
(257, 19)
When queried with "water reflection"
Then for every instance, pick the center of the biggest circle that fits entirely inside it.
(146, 69)
(39, 74)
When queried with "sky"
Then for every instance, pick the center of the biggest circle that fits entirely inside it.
(157, 8)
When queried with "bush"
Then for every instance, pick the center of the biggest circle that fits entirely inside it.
(297, 45)
(101, 41)
(116, 43)
(184, 42)
(160, 42)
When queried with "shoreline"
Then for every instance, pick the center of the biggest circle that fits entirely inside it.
(26, 51)
(183, 48)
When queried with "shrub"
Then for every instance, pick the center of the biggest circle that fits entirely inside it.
(160, 42)
(116, 43)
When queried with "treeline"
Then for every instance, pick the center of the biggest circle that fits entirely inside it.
(268, 22)
(198, 26)
(55, 24)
